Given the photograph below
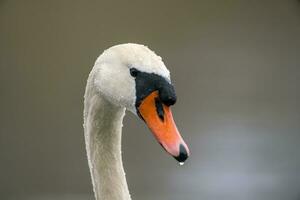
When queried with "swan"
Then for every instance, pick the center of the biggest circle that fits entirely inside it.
(126, 76)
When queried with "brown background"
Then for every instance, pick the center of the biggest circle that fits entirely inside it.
(236, 69)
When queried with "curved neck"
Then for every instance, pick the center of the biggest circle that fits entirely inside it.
(102, 129)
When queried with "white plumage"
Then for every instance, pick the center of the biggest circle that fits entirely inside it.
(110, 90)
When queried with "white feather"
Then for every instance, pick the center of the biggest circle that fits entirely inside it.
(110, 90)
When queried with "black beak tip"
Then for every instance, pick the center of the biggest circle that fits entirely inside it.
(183, 155)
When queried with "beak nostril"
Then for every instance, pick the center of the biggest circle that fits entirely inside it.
(183, 155)
(159, 109)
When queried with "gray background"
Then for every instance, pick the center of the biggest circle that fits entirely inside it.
(235, 66)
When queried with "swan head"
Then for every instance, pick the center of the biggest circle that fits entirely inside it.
(134, 77)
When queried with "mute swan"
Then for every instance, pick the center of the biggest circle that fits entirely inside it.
(126, 76)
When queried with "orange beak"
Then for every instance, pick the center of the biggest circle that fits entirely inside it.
(159, 119)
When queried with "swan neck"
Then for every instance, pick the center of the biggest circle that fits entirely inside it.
(103, 127)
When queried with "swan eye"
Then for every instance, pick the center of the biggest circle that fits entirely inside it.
(134, 72)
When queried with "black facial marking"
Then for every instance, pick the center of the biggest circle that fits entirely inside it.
(146, 83)
(167, 94)
(159, 109)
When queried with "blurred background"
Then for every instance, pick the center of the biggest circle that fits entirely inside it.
(235, 66)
